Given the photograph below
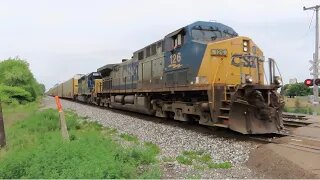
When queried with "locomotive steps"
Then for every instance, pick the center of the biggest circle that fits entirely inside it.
(225, 109)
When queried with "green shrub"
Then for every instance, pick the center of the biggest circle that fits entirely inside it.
(17, 82)
(13, 95)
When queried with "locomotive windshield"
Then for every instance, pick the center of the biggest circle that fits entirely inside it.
(210, 34)
(95, 75)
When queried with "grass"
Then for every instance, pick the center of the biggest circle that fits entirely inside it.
(14, 113)
(299, 104)
(129, 137)
(36, 150)
(201, 160)
(168, 159)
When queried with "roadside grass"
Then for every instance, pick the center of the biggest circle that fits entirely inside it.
(36, 150)
(299, 104)
(201, 160)
(16, 112)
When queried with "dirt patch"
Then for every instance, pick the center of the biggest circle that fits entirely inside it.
(268, 163)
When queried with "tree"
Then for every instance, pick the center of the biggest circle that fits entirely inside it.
(298, 89)
(17, 82)
(284, 89)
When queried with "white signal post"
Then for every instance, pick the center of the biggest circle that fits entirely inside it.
(315, 63)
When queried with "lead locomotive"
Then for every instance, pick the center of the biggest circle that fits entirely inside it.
(202, 72)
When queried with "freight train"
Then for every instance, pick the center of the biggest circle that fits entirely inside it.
(203, 72)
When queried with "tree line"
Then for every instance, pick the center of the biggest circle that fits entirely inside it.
(297, 89)
(17, 83)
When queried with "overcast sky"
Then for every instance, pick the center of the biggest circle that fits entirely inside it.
(60, 38)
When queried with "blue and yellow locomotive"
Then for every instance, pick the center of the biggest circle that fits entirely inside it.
(202, 72)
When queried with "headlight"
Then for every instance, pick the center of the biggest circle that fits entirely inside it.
(249, 79)
(245, 45)
(277, 80)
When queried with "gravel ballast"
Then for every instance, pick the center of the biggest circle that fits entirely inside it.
(173, 139)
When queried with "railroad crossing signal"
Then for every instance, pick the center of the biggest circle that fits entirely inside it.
(315, 63)
(311, 82)
(308, 82)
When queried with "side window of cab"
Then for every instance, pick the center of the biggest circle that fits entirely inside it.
(175, 40)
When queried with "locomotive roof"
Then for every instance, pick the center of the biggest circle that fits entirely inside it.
(106, 69)
(108, 66)
(196, 25)
(205, 25)
(202, 25)
(213, 25)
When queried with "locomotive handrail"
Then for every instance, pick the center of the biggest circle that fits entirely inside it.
(214, 80)
(265, 76)
(272, 70)
(215, 75)
(278, 71)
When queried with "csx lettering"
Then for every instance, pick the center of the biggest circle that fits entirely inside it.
(245, 62)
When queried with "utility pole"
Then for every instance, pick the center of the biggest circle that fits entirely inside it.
(315, 62)
(2, 133)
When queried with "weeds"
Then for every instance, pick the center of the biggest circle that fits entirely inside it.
(184, 160)
(129, 137)
(168, 159)
(299, 105)
(201, 160)
(224, 165)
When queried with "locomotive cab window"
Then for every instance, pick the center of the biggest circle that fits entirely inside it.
(210, 33)
(177, 40)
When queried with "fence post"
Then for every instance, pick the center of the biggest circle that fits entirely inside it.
(2, 132)
(63, 125)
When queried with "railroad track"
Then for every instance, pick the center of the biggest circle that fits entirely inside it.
(295, 142)
(295, 123)
(295, 120)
